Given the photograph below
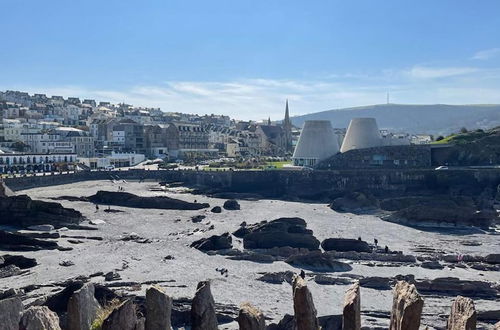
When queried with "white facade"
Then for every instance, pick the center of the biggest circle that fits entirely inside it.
(362, 133)
(117, 159)
(317, 142)
(16, 162)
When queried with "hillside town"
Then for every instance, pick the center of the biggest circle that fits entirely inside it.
(47, 133)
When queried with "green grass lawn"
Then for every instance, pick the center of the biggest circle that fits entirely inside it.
(278, 164)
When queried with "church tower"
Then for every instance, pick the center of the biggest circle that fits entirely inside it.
(287, 129)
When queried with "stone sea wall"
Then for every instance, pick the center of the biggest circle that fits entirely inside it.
(314, 185)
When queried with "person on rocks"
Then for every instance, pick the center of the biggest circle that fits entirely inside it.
(302, 274)
(359, 238)
(375, 241)
(386, 249)
(96, 208)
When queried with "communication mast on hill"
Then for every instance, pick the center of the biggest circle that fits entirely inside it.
(387, 97)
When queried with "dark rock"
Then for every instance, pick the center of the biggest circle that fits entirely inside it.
(303, 306)
(444, 212)
(355, 202)
(123, 317)
(216, 209)
(112, 276)
(66, 263)
(82, 308)
(318, 261)
(279, 233)
(16, 242)
(203, 315)
(454, 286)
(431, 265)
(23, 211)
(373, 256)
(158, 309)
(493, 258)
(345, 244)
(277, 278)
(328, 280)
(376, 282)
(113, 211)
(135, 238)
(231, 204)
(215, 242)
(58, 302)
(286, 323)
(11, 270)
(19, 261)
(491, 316)
(43, 235)
(330, 322)
(198, 218)
(130, 200)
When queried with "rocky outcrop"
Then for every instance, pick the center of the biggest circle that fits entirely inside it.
(463, 315)
(216, 209)
(251, 318)
(303, 306)
(10, 312)
(82, 308)
(493, 258)
(373, 256)
(231, 204)
(22, 211)
(119, 198)
(355, 202)
(158, 309)
(17, 242)
(203, 309)
(39, 318)
(351, 315)
(123, 317)
(456, 286)
(443, 212)
(278, 233)
(215, 242)
(318, 261)
(406, 307)
(18, 260)
(345, 244)
(277, 278)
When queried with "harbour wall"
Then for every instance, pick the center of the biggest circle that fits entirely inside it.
(315, 185)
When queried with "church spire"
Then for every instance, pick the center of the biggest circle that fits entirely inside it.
(287, 128)
(269, 121)
(287, 114)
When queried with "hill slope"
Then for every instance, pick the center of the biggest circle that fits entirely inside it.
(432, 119)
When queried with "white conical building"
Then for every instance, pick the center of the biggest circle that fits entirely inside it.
(317, 141)
(361, 133)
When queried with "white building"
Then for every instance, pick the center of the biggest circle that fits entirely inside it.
(362, 133)
(317, 142)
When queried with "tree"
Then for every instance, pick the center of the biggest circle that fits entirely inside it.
(20, 146)
(463, 130)
(439, 138)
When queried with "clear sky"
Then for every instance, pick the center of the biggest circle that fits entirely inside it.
(244, 58)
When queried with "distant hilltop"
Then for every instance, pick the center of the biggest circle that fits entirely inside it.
(437, 119)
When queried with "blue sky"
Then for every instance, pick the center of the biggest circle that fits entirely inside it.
(243, 58)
